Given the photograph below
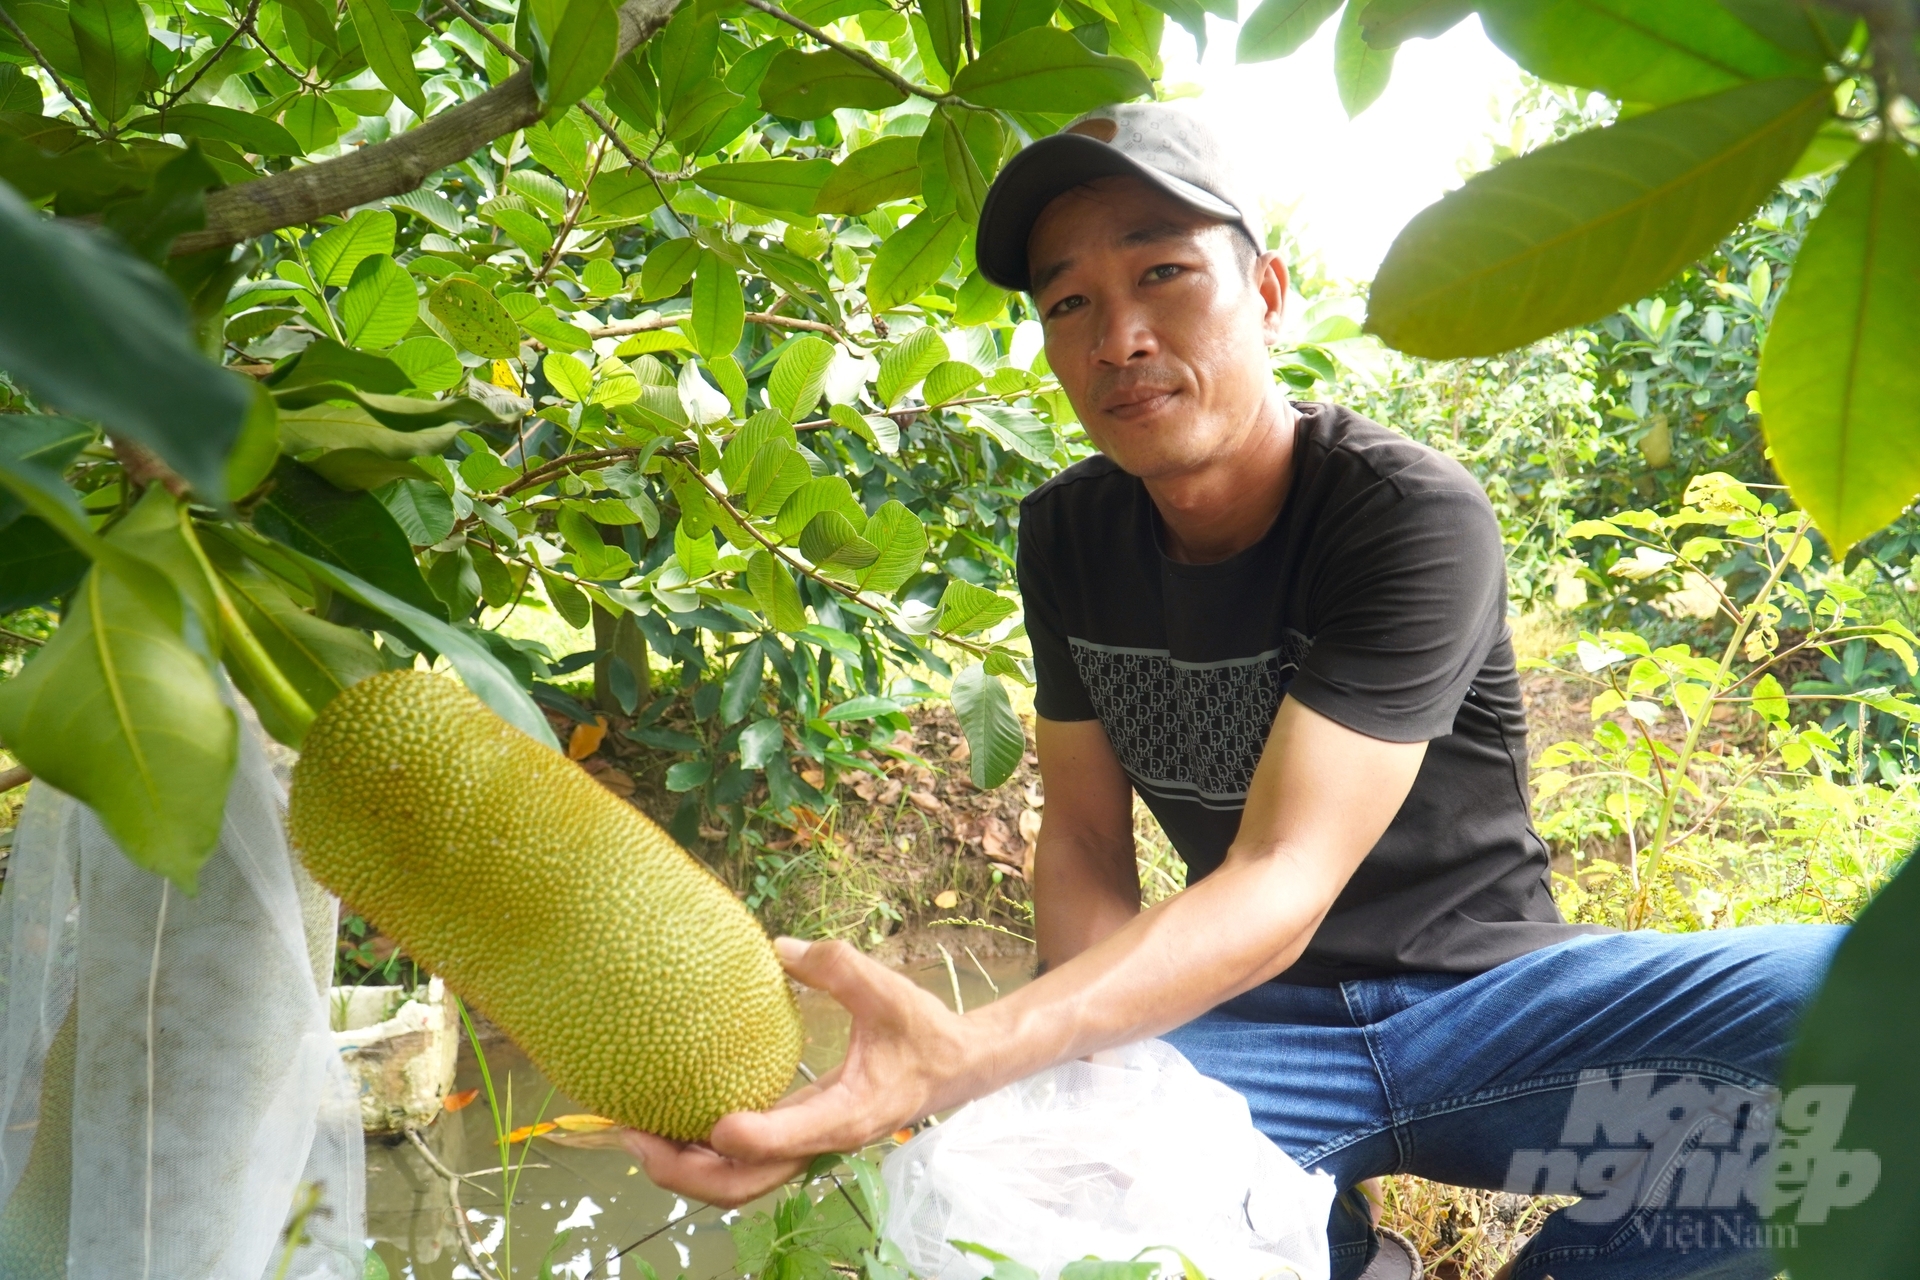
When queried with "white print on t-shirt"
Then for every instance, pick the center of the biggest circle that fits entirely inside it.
(1188, 730)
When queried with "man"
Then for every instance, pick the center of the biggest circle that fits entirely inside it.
(1284, 627)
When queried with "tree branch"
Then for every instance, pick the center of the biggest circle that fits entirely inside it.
(860, 56)
(398, 165)
(33, 51)
(647, 324)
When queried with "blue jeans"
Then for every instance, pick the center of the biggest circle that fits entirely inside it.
(1634, 1070)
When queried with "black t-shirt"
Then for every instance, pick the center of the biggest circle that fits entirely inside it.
(1379, 599)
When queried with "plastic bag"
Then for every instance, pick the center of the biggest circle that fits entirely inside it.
(1107, 1156)
(207, 1098)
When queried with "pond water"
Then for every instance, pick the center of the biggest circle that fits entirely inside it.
(597, 1196)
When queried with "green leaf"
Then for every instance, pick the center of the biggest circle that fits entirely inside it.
(1016, 429)
(668, 268)
(317, 657)
(914, 257)
(1388, 24)
(310, 120)
(719, 307)
(421, 508)
(36, 564)
(902, 543)
(430, 363)
(1046, 69)
(581, 53)
(883, 171)
(379, 304)
(347, 426)
(1278, 27)
(688, 774)
(1000, 19)
(793, 388)
(1573, 230)
(111, 37)
(806, 86)
(994, 735)
(104, 335)
(741, 690)
(945, 24)
(1360, 71)
(910, 360)
(683, 53)
(352, 530)
(822, 493)
(1838, 378)
(965, 608)
(978, 301)
(475, 319)
(121, 713)
(1770, 700)
(777, 470)
(1803, 28)
(830, 538)
(1854, 1050)
(881, 432)
(481, 672)
(949, 380)
(38, 440)
(389, 50)
(337, 254)
(698, 108)
(525, 229)
(783, 186)
(775, 592)
(567, 600)
(244, 129)
(952, 175)
(737, 459)
(569, 376)
(1652, 51)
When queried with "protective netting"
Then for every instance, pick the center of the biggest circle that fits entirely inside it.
(207, 1101)
(1106, 1157)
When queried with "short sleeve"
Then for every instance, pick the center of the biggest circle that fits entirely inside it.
(1058, 692)
(1408, 601)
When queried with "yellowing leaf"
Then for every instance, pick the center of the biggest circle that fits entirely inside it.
(583, 1123)
(462, 1100)
(586, 738)
(526, 1131)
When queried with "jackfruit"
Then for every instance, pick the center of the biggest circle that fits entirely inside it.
(627, 971)
(33, 1230)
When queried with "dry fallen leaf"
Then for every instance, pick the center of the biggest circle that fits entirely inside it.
(461, 1100)
(616, 781)
(946, 899)
(526, 1131)
(586, 738)
(926, 801)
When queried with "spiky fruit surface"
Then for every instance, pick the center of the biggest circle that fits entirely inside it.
(33, 1230)
(624, 968)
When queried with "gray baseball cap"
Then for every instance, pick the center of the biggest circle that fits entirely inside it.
(1153, 141)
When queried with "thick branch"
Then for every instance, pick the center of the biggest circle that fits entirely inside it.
(398, 165)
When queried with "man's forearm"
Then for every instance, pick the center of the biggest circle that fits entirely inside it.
(1083, 893)
(1233, 930)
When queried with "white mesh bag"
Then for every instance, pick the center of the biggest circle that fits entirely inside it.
(206, 1095)
(1105, 1157)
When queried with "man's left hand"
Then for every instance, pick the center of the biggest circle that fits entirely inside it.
(905, 1059)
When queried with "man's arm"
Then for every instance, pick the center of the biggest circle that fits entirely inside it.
(1320, 799)
(1085, 882)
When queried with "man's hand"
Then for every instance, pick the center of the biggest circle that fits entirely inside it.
(906, 1057)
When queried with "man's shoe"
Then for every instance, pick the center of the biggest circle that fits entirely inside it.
(1395, 1259)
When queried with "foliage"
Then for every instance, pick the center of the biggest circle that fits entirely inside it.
(1728, 102)
(696, 358)
(1648, 775)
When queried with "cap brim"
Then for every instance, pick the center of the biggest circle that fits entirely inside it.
(1050, 168)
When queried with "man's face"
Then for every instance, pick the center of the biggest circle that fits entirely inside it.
(1155, 328)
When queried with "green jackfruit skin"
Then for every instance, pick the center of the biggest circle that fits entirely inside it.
(627, 971)
(33, 1230)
